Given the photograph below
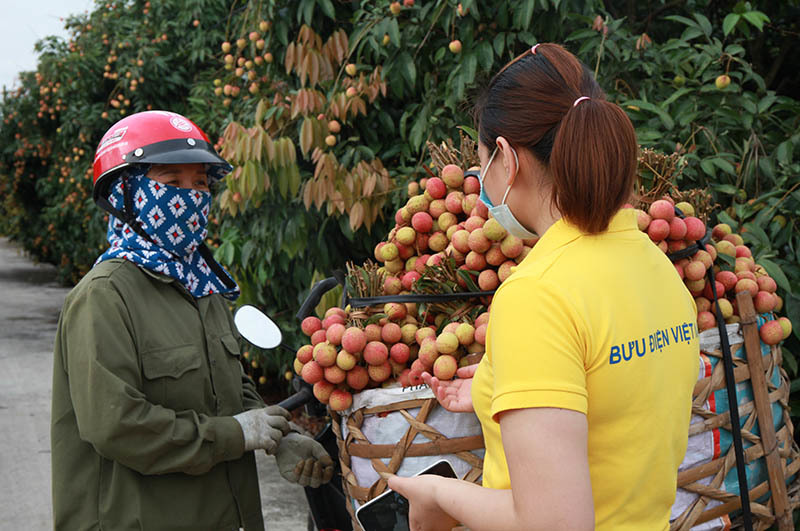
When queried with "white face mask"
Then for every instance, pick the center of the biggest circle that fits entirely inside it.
(502, 213)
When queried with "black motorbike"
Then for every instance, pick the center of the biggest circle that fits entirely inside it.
(327, 503)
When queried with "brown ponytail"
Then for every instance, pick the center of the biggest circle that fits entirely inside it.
(590, 148)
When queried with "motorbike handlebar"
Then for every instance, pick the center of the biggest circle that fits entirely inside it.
(311, 302)
(300, 398)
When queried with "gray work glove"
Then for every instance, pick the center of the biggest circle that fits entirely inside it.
(304, 461)
(264, 427)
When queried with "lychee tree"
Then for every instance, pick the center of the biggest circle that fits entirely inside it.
(120, 58)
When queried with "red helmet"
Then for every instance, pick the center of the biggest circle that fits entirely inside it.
(153, 137)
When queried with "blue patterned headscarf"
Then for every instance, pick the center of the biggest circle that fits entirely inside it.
(175, 219)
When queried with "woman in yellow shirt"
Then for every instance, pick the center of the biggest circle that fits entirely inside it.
(584, 393)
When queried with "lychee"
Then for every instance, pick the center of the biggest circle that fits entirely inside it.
(305, 353)
(345, 360)
(354, 340)
(399, 353)
(334, 333)
(662, 209)
(453, 176)
(334, 374)
(390, 333)
(771, 332)
(465, 333)
(340, 400)
(488, 280)
(380, 373)
(357, 378)
(325, 354)
(511, 246)
(493, 230)
(447, 343)
(312, 372)
(445, 367)
(322, 391)
(310, 325)
(695, 229)
(375, 353)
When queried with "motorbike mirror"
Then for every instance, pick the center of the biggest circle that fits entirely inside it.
(256, 327)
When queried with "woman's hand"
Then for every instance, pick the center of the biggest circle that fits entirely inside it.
(454, 395)
(421, 492)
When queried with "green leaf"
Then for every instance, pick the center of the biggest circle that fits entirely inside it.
(307, 11)
(793, 312)
(728, 189)
(784, 151)
(691, 33)
(708, 166)
(581, 34)
(524, 14)
(499, 43)
(677, 94)
(469, 69)
(776, 273)
(417, 134)
(724, 165)
(766, 102)
(407, 68)
(756, 233)
(723, 217)
(247, 249)
(766, 167)
(467, 278)
(731, 261)
(666, 119)
(473, 134)
(485, 55)
(683, 20)
(756, 18)
(705, 24)
(394, 32)
(729, 23)
(327, 8)
(228, 253)
(788, 359)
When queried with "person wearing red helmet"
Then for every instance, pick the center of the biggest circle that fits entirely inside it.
(152, 415)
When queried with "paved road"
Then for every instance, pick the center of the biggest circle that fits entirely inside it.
(31, 301)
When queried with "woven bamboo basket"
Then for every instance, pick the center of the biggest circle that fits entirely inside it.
(771, 501)
(356, 444)
(712, 505)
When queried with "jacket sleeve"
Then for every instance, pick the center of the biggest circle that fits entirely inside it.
(113, 414)
(250, 397)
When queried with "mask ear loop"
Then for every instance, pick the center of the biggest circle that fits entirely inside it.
(511, 183)
(483, 173)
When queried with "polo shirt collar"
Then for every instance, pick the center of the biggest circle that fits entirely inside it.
(562, 232)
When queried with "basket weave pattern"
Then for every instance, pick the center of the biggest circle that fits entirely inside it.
(356, 444)
(786, 448)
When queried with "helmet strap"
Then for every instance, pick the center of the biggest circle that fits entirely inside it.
(208, 256)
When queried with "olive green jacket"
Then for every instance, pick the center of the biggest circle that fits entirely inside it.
(146, 379)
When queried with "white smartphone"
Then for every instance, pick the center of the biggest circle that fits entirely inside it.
(389, 511)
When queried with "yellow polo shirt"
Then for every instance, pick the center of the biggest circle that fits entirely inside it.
(600, 324)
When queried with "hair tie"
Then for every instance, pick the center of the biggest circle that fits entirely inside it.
(533, 49)
(580, 100)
